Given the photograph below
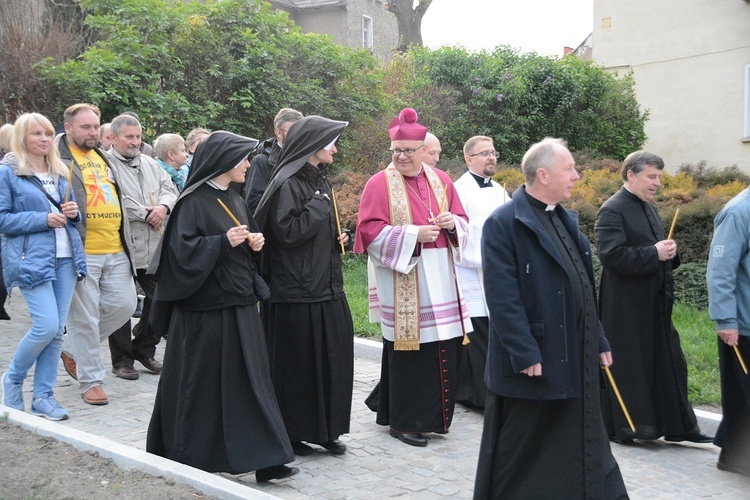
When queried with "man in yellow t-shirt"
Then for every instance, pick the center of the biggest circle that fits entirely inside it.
(106, 298)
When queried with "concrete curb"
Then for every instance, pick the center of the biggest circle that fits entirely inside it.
(130, 458)
(368, 349)
(373, 350)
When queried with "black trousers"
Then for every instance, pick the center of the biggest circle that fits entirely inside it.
(123, 349)
(733, 435)
(3, 293)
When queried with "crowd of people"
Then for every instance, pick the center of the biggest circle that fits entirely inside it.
(483, 298)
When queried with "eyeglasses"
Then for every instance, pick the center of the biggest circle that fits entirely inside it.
(409, 153)
(486, 154)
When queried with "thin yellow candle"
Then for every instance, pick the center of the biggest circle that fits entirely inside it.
(739, 357)
(674, 221)
(442, 200)
(234, 219)
(504, 191)
(338, 221)
(66, 198)
(151, 200)
(619, 398)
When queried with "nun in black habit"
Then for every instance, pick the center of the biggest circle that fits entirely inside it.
(310, 331)
(215, 406)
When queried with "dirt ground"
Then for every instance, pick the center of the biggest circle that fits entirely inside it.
(37, 467)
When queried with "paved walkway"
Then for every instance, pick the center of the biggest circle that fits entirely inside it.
(376, 465)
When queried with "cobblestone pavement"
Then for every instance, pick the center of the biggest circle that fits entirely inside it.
(377, 465)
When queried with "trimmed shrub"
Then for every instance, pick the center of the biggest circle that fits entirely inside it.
(690, 284)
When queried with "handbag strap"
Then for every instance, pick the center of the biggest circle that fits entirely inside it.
(41, 188)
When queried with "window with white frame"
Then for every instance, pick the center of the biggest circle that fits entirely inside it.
(746, 134)
(367, 32)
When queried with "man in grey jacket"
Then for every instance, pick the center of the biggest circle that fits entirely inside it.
(148, 197)
(728, 280)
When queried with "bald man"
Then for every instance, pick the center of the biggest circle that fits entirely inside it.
(432, 150)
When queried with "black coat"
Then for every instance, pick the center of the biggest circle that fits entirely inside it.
(532, 311)
(301, 257)
(635, 302)
(259, 173)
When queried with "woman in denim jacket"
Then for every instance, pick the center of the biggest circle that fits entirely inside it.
(42, 255)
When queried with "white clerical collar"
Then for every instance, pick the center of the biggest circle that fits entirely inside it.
(485, 180)
(216, 185)
(550, 208)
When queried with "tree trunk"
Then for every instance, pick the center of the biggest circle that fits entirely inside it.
(409, 20)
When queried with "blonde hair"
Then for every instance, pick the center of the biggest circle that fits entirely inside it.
(193, 136)
(6, 134)
(21, 128)
(166, 143)
(469, 146)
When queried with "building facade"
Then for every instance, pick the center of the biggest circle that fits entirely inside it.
(355, 23)
(691, 64)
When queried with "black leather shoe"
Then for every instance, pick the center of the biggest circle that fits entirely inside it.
(335, 447)
(745, 471)
(302, 449)
(151, 364)
(693, 437)
(621, 440)
(412, 439)
(275, 472)
(126, 372)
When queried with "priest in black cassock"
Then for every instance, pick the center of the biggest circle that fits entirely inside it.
(310, 331)
(635, 300)
(215, 407)
(543, 433)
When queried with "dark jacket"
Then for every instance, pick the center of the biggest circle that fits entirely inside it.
(259, 174)
(302, 257)
(81, 198)
(532, 311)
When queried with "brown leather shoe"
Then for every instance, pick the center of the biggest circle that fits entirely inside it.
(151, 364)
(126, 372)
(95, 396)
(70, 365)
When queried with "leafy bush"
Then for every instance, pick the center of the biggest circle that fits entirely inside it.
(510, 177)
(223, 65)
(707, 177)
(695, 227)
(690, 285)
(520, 98)
(680, 188)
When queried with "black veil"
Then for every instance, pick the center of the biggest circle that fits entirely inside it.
(306, 137)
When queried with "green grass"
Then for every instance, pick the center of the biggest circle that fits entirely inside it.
(355, 283)
(697, 334)
(698, 339)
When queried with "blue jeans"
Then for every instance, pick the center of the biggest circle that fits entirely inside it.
(48, 305)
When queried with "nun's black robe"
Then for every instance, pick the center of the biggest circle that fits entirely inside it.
(215, 406)
(310, 331)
